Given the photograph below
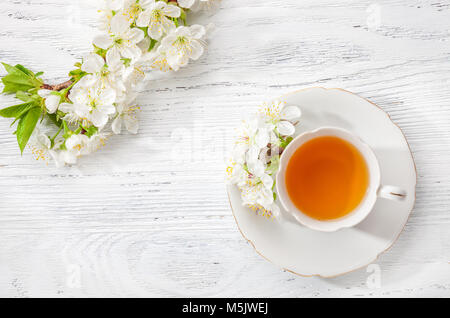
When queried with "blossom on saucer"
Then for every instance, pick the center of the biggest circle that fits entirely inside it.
(281, 116)
(256, 153)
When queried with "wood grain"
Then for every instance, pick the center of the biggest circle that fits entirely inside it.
(148, 215)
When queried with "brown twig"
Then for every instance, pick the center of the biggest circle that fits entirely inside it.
(57, 87)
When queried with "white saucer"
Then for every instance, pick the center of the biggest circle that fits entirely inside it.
(307, 252)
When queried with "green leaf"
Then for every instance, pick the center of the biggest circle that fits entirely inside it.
(11, 69)
(100, 51)
(76, 75)
(285, 142)
(17, 110)
(19, 78)
(274, 164)
(23, 96)
(91, 131)
(29, 98)
(26, 126)
(126, 61)
(183, 16)
(54, 118)
(152, 44)
(23, 69)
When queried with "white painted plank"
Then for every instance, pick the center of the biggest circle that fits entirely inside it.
(135, 220)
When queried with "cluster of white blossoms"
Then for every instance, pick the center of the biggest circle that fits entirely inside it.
(137, 35)
(256, 154)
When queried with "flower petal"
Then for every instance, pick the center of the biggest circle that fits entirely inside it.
(117, 125)
(275, 209)
(52, 103)
(108, 109)
(98, 118)
(119, 24)
(155, 30)
(131, 52)
(144, 19)
(197, 31)
(256, 168)
(135, 35)
(196, 50)
(115, 5)
(44, 93)
(172, 11)
(93, 63)
(132, 124)
(186, 3)
(103, 41)
(113, 59)
(262, 138)
(107, 96)
(267, 181)
(285, 128)
(290, 112)
(66, 107)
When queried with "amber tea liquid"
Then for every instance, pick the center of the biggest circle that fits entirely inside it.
(327, 178)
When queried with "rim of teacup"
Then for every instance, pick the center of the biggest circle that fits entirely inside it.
(365, 206)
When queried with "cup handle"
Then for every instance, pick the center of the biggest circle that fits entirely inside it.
(392, 193)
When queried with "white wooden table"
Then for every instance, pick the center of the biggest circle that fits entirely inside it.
(148, 215)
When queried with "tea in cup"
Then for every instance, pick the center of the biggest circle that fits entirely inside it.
(330, 179)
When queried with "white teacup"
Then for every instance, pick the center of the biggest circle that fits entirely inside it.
(374, 189)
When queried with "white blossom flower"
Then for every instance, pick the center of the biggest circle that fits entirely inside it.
(132, 77)
(126, 116)
(96, 141)
(237, 173)
(258, 192)
(93, 102)
(156, 59)
(107, 10)
(182, 44)
(70, 115)
(40, 145)
(281, 116)
(123, 37)
(76, 146)
(253, 136)
(132, 9)
(157, 18)
(51, 100)
(196, 5)
(109, 72)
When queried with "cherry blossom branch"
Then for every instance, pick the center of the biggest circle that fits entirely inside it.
(57, 87)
